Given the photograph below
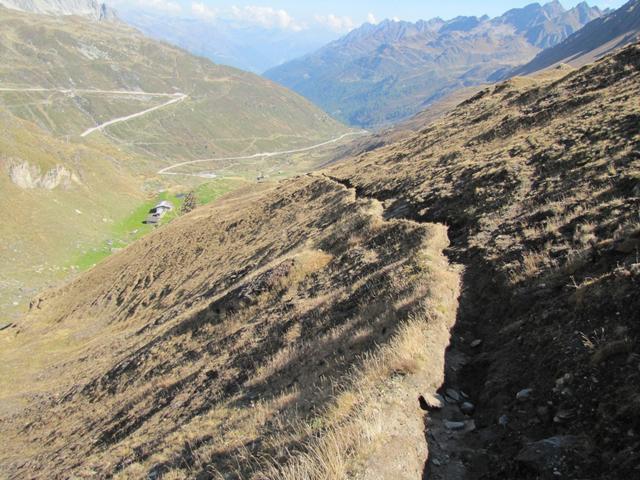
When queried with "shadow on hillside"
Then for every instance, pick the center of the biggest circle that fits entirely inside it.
(313, 373)
(536, 335)
(334, 334)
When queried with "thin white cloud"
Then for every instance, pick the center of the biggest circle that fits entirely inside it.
(336, 23)
(266, 17)
(201, 10)
(371, 18)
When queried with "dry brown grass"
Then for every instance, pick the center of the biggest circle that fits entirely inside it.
(355, 427)
(287, 332)
(538, 180)
(531, 266)
(205, 365)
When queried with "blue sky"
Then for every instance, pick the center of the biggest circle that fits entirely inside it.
(339, 14)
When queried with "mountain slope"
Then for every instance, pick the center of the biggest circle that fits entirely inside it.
(85, 8)
(594, 41)
(538, 180)
(243, 322)
(58, 199)
(288, 331)
(79, 97)
(227, 110)
(384, 73)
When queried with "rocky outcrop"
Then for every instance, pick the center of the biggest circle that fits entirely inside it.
(27, 176)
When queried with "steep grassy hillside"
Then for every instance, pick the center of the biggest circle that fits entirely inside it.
(58, 199)
(295, 330)
(67, 205)
(381, 74)
(279, 320)
(539, 182)
(60, 77)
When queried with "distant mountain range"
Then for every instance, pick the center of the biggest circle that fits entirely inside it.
(85, 8)
(593, 41)
(379, 74)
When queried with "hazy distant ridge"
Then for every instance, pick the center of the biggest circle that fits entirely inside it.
(593, 41)
(380, 74)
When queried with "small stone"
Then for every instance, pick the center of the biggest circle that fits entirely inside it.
(467, 408)
(455, 426)
(436, 462)
(452, 395)
(476, 343)
(503, 420)
(524, 395)
(566, 378)
(566, 392)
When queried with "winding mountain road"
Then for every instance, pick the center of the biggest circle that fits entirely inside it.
(175, 98)
(89, 91)
(178, 98)
(166, 170)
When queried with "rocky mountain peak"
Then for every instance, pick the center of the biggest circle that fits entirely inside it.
(555, 8)
(85, 8)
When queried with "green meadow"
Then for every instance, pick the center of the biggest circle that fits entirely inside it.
(132, 228)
